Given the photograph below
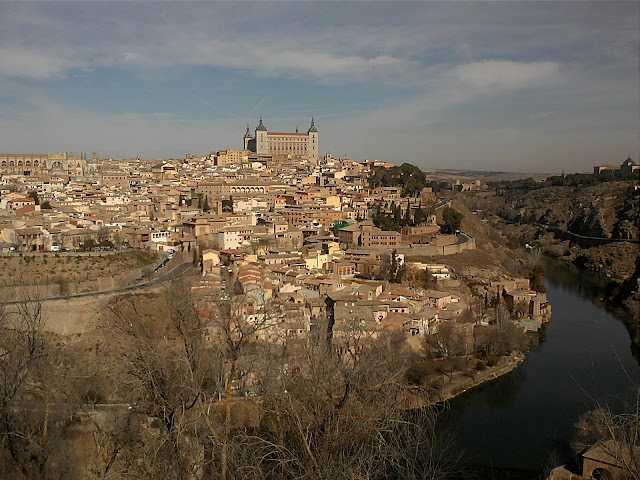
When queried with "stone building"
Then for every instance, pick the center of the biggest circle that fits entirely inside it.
(43, 163)
(292, 144)
(229, 156)
(366, 235)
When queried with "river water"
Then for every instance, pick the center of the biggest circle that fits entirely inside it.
(525, 419)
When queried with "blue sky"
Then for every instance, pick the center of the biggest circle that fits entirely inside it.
(520, 85)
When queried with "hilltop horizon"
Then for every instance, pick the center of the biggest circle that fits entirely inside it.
(521, 86)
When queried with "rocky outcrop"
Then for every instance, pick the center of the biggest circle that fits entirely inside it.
(627, 224)
(627, 295)
(609, 210)
(589, 222)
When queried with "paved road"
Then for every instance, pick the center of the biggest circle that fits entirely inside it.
(577, 235)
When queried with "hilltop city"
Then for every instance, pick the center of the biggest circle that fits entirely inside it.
(232, 282)
(282, 221)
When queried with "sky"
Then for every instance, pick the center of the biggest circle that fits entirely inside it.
(527, 86)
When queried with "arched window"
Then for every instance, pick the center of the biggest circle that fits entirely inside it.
(27, 163)
(4, 163)
(35, 163)
(12, 163)
(19, 163)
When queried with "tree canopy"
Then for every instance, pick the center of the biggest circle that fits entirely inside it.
(451, 220)
(409, 177)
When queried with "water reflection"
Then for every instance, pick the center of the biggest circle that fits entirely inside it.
(527, 417)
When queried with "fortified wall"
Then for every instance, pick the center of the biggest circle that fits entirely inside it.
(106, 283)
(459, 243)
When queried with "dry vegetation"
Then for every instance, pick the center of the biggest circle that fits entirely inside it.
(177, 373)
(48, 268)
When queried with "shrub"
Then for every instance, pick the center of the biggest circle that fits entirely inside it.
(492, 360)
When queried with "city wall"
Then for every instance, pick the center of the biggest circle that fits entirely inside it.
(464, 242)
(111, 282)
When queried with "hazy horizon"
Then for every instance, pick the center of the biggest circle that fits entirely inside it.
(492, 86)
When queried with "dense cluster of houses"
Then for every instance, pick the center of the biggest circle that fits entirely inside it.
(293, 235)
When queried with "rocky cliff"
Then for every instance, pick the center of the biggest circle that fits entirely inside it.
(545, 216)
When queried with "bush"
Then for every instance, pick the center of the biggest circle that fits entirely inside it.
(492, 360)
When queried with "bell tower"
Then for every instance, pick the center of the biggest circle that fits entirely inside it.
(262, 146)
(312, 140)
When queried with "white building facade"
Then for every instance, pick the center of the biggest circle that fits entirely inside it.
(293, 144)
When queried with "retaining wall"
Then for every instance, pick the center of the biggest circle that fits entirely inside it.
(112, 282)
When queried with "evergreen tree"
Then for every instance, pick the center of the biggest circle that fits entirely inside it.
(33, 194)
(451, 220)
(407, 217)
(397, 214)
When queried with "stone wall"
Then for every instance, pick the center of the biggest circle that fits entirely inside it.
(112, 282)
(464, 242)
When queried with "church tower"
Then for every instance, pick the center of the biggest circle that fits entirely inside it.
(247, 138)
(262, 146)
(312, 141)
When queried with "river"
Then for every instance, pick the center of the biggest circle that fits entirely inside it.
(525, 420)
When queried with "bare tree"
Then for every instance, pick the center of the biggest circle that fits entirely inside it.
(616, 433)
(325, 410)
(341, 413)
(167, 367)
(22, 389)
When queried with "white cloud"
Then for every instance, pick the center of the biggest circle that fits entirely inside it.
(503, 74)
(27, 63)
(417, 65)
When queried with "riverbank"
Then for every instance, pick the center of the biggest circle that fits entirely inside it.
(620, 299)
(445, 388)
(461, 383)
(584, 354)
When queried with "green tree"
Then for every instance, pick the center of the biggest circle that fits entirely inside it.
(419, 216)
(407, 216)
(451, 220)
(397, 213)
(205, 205)
(33, 194)
(45, 205)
